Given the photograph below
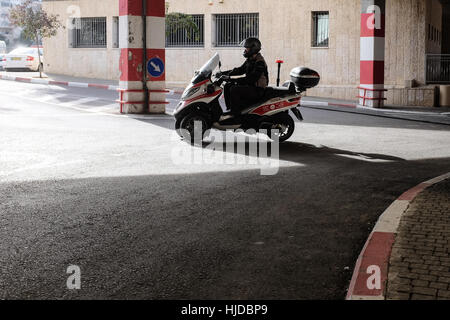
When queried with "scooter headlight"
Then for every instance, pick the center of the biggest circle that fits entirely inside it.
(189, 92)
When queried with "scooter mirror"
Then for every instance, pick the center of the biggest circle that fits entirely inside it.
(220, 65)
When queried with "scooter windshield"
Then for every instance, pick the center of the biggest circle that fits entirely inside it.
(207, 70)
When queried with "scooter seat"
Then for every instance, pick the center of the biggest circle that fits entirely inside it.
(275, 92)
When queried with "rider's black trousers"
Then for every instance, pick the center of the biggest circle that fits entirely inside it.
(241, 97)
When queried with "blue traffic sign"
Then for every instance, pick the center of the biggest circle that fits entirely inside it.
(155, 67)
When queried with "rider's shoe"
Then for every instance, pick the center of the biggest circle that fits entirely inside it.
(226, 116)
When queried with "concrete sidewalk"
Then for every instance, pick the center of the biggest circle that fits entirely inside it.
(61, 80)
(419, 267)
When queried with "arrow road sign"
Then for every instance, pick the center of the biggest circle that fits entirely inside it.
(155, 67)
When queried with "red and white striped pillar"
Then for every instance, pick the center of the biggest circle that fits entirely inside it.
(371, 89)
(132, 65)
(156, 44)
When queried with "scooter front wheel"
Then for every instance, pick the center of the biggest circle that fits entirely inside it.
(193, 128)
(178, 126)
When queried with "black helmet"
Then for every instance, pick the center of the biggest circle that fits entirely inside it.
(253, 44)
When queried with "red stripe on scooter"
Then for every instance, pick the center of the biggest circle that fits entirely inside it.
(204, 96)
(200, 84)
(273, 107)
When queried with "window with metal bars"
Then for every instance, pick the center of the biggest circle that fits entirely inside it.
(89, 33)
(320, 29)
(231, 29)
(178, 36)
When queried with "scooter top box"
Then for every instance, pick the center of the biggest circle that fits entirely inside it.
(304, 78)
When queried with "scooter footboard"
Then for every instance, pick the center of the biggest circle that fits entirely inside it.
(216, 110)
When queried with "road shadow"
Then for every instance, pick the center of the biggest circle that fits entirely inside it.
(220, 235)
(326, 117)
(287, 151)
(215, 235)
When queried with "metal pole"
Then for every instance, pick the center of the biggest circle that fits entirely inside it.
(280, 62)
(144, 67)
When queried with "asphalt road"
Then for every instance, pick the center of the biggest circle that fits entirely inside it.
(82, 185)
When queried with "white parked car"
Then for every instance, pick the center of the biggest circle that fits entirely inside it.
(2, 47)
(2, 63)
(2, 53)
(24, 58)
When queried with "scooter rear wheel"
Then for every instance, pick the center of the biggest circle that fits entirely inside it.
(284, 127)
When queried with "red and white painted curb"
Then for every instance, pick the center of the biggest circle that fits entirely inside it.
(377, 250)
(328, 104)
(59, 83)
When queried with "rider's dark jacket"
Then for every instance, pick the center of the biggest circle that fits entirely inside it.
(255, 69)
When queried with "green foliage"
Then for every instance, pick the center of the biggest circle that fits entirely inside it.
(34, 21)
(179, 21)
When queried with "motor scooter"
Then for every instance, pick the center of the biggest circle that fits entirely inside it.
(200, 104)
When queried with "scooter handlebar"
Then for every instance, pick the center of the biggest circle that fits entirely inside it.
(223, 79)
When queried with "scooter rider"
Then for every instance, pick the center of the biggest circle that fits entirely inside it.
(243, 92)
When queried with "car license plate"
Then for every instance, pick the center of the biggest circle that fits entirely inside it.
(16, 59)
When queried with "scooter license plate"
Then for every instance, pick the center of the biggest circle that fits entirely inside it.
(297, 113)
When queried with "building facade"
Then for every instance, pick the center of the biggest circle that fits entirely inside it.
(323, 35)
(8, 32)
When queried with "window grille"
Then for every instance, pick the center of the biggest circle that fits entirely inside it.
(89, 33)
(182, 37)
(437, 68)
(231, 29)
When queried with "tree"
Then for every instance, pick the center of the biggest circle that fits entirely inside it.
(35, 22)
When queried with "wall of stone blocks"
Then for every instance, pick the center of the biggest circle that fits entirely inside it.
(285, 30)
(100, 63)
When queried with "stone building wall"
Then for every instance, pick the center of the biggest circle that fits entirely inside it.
(100, 63)
(285, 31)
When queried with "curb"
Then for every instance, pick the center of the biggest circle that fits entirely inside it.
(434, 118)
(328, 104)
(73, 84)
(60, 83)
(377, 250)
